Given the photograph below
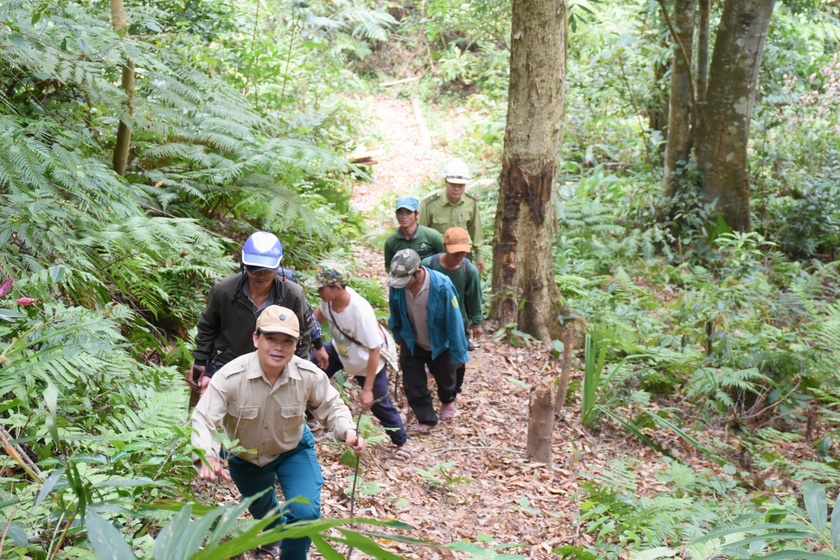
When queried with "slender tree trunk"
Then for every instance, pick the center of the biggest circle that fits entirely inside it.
(681, 101)
(657, 111)
(566, 370)
(123, 144)
(721, 151)
(703, 34)
(523, 274)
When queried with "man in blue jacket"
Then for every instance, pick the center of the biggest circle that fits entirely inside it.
(428, 325)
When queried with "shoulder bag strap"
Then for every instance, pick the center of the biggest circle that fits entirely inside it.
(347, 336)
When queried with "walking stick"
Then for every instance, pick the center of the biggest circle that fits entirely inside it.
(356, 471)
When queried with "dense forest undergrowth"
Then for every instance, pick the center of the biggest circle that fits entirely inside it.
(701, 419)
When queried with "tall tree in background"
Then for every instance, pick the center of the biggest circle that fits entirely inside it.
(123, 144)
(523, 273)
(724, 122)
(720, 108)
(681, 100)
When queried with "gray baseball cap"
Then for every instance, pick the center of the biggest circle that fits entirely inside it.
(403, 265)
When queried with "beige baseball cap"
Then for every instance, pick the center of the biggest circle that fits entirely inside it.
(276, 319)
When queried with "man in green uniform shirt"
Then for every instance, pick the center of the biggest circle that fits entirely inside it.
(410, 235)
(464, 276)
(454, 207)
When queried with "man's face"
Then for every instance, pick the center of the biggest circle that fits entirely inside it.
(454, 191)
(457, 258)
(416, 279)
(406, 218)
(262, 278)
(274, 350)
(328, 293)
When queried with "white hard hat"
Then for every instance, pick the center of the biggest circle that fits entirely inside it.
(457, 172)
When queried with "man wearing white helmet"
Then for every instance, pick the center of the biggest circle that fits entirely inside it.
(454, 207)
(226, 325)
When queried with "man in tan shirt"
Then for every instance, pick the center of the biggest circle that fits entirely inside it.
(260, 399)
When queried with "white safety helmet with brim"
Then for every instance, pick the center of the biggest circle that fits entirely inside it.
(262, 251)
(457, 172)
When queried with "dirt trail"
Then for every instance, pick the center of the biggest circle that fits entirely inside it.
(468, 477)
(405, 159)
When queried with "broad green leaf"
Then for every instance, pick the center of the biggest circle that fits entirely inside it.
(780, 535)
(654, 553)
(798, 555)
(228, 520)
(326, 549)
(166, 544)
(815, 503)
(107, 542)
(366, 545)
(18, 41)
(152, 25)
(464, 546)
(51, 400)
(193, 537)
(130, 482)
(763, 528)
(835, 523)
(48, 485)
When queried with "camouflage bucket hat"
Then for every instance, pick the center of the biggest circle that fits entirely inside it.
(330, 274)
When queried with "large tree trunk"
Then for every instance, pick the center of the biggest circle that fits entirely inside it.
(681, 102)
(123, 144)
(721, 143)
(523, 272)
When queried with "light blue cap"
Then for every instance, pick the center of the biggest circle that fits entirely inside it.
(408, 202)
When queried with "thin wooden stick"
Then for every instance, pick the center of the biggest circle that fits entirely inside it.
(19, 456)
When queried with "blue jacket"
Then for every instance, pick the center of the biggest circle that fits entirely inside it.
(446, 326)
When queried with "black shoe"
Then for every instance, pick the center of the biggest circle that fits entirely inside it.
(269, 551)
(470, 346)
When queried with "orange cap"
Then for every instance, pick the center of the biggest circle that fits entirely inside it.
(456, 240)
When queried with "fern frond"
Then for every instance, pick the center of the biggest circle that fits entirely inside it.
(828, 331)
(146, 412)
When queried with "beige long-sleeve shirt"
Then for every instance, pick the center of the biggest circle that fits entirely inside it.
(264, 418)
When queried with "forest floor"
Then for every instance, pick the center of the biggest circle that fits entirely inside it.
(469, 477)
